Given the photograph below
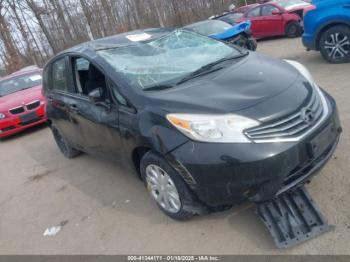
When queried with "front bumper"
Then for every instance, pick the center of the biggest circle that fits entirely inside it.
(13, 124)
(223, 174)
(308, 41)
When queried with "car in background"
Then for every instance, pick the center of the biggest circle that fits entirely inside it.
(327, 29)
(230, 18)
(238, 34)
(277, 18)
(298, 7)
(244, 8)
(22, 104)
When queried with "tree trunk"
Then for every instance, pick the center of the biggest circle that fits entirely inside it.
(32, 5)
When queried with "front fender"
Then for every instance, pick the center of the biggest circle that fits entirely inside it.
(327, 24)
(158, 134)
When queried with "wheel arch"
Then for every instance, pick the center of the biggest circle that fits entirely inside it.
(136, 156)
(324, 28)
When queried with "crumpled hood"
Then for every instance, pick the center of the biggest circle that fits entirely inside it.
(20, 97)
(233, 31)
(244, 84)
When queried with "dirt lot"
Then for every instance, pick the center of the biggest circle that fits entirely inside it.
(105, 209)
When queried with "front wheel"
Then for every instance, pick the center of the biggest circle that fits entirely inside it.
(335, 44)
(166, 187)
(62, 144)
(293, 29)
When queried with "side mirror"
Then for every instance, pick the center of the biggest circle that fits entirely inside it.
(95, 96)
(276, 12)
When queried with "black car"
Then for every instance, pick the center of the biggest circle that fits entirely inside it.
(204, 123)
(239, 34)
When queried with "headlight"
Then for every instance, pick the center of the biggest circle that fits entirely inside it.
(2, 116)
(302, 70)
(213, 128)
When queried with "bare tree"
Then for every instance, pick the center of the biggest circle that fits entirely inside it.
(31, 31)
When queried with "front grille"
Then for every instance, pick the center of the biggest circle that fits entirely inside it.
(17, 110)
(293, 125)
(33, 105)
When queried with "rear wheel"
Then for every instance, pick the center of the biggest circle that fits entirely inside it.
(166, 187)
(293, 29)
(62, 144)
(335, 44)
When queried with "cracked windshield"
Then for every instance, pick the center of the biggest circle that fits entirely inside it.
(165, 60)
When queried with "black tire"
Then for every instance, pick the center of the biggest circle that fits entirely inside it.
(329, 40)
(62, 144)
(251, 44)
(185, 195)
(293, 29)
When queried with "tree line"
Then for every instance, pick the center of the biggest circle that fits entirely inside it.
(32, 31)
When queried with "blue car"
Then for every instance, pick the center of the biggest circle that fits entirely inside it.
(238, 34)
(327, 29)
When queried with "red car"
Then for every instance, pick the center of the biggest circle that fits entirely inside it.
(21, 102)
(277, 18)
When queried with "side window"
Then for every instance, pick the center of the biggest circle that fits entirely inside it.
(120, 99)
(254, 13)
(82, 64)
(268, 9)
(59, 77)
(88, 77)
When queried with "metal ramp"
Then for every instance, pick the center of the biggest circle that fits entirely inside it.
(292, 217)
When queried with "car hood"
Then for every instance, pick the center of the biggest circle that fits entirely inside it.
(20, 97)
(251, 81)
(294, 8)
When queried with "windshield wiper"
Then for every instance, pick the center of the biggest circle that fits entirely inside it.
(207, 69)
(158, 87)
(204, 70)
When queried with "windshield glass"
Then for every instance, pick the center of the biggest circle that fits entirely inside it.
(288, 4)
(165, 60)
(19, 83)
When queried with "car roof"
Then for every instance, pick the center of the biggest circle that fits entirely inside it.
(246, 8)
(23, 71)
(120, 40)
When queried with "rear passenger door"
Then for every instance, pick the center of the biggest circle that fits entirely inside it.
(61, 102)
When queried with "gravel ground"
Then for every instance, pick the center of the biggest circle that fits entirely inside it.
(103, 209)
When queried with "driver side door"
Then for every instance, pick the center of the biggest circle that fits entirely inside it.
(98, 119)
(272, 20)
(254, 15)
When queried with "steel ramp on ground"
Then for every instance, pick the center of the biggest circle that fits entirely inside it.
(292, 217)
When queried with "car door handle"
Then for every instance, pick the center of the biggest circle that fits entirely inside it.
(347, 5)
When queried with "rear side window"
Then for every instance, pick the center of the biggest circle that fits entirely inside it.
(59, 77)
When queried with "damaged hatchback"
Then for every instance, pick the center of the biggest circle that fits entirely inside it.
(205, 123)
